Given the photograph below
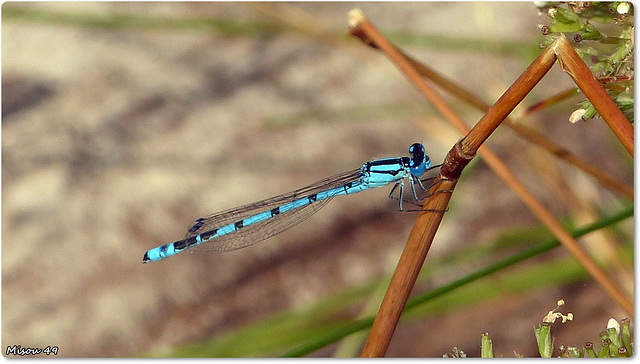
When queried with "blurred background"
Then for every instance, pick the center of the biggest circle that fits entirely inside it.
(123, 122)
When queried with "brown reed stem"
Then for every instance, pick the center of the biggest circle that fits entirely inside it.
(573, 65)
(533, 136)
(428, 221)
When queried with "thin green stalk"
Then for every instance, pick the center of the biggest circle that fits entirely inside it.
(134, 21)
(434, 293)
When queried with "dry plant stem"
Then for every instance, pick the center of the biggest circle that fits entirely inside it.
(532, 135)
(420, 239)
(593, 90)
(555, 99)
(500, 109)
(362, 28)
(407, 270)
(520, 88)
(508, 101)
(424, 229)
(605, 178)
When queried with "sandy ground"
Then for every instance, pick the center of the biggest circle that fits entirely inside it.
(114, 140)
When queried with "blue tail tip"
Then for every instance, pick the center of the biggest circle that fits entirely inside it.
(145, 259)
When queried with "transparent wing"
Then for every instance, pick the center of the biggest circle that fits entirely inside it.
(257, 232)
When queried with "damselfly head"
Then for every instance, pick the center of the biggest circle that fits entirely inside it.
(420, 161)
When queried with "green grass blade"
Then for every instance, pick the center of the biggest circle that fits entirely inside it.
(427, 296)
